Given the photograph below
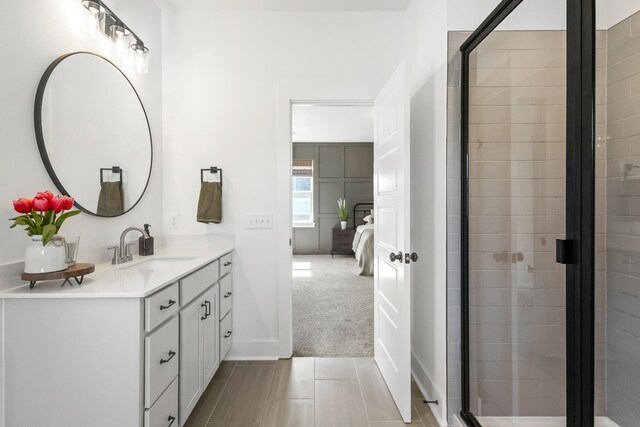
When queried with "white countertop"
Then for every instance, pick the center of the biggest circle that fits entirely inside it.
(125, 280)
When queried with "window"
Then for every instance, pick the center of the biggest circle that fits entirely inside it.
(302, 194)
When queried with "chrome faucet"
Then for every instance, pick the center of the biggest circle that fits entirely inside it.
(122, 253)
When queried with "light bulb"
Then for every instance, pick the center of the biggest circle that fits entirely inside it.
(94, 19)
(120, 37)
(139, 55)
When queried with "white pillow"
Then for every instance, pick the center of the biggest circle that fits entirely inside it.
(368, 219)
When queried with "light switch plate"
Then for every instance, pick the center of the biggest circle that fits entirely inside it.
(259, 220)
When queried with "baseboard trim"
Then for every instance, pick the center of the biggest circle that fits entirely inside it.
(423, 382)
(248, 358)
(254, 350)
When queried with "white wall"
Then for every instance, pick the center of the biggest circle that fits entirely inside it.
(33, 34)
(315, 123)
(223, 73)
(427, 44)
(611, 12)
(465, 15)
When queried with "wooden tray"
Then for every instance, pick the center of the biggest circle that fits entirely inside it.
(76, 272)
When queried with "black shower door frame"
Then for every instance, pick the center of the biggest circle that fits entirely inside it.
(578, 250)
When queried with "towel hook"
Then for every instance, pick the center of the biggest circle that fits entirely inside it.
(112, 169)
(212, 170)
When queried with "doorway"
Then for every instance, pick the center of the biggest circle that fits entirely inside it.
(393, 257)
(332, 221)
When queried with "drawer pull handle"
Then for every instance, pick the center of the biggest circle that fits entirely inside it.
(171, 354)
(164, 307)
(228, 334)
(227, 295)
(227, 264)
(171, 419)
(205, 311)
(208, 307)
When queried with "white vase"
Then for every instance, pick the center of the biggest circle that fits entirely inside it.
(343, 224)
(45, 259)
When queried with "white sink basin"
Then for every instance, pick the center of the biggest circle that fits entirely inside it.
(157, 263)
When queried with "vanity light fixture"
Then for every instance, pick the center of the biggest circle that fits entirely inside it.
(127, 45)
(140, 58)
(95, 17)
(120, 37)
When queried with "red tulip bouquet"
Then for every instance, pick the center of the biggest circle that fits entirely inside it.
(43, 215)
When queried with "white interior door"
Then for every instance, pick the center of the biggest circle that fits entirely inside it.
(392, 276)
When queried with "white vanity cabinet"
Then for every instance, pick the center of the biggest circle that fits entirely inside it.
(134, 349)
(198, 348)
(226, 300)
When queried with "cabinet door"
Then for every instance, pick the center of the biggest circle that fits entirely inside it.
(226, 295)
(210, 335)
(226, 331)
(191, 384)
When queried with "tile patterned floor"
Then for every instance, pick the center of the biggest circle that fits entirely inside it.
(303, 392)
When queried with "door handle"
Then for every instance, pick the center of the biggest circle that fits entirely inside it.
(563, 251)
(411, 258)
(395, 257)
(228, 334)
(227, 264)
(208, 307)
(227, 295)
(205, 311)
(171, 419)
(171, 354)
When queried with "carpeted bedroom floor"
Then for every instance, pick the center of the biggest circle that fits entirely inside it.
(332, 307)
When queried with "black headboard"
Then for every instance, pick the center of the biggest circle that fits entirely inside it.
(363, 209)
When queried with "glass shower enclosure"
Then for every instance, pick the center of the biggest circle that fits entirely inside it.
(550, 224)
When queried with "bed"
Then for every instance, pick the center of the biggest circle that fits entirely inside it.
(363, 242)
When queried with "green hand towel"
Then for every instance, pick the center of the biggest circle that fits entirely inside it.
(210, 203)
(111, 199)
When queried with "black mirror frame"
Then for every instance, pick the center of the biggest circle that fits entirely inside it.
(37, 117)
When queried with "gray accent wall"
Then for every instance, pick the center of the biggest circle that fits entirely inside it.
(339, 170)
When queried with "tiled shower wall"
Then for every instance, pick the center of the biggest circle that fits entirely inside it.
(517, 158)
(623, 221)
(516, 199)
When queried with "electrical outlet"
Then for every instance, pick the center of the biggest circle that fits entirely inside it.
(173, 221)
(259, 220)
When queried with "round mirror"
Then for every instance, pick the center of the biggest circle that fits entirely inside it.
(93, 134)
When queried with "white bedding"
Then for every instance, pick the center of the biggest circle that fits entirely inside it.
(363, 248)
(358, 236)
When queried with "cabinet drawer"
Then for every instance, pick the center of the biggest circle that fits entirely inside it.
(165, 412)
(225, 264)
(196, 283)
(226, 295)
(161, 360)
(226, 331)
(344, 236)
(161, 306)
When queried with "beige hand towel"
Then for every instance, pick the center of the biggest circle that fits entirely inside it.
(210, 203)
(111, 199)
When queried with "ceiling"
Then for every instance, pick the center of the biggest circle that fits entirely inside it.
(287, 5)
(314, 123)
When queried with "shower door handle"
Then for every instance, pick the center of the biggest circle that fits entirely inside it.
(563, 251)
